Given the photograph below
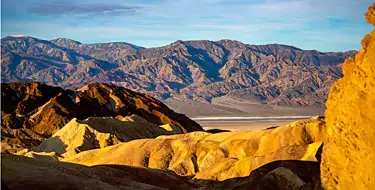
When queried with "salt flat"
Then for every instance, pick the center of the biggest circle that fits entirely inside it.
(245, 123)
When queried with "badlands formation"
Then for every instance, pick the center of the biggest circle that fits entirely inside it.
(89, 151)
(213, 156)
(78, 135)
(335, 152)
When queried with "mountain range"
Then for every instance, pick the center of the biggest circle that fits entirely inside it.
(201, 71)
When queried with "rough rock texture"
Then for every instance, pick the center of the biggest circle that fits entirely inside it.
(92, 133)
(213, 156)
(348, 154)
(198, 70)
(32, 112)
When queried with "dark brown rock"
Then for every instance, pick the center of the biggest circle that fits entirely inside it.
(32, 112)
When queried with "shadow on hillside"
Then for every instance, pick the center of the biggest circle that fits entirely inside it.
(214, 131)
(62, 175)
(259, 179)
(53, 144)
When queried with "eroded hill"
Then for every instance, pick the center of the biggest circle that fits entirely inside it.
(32, 112)
(196, 160)
(214, 156)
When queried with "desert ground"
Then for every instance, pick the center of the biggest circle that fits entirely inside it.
(234, 114)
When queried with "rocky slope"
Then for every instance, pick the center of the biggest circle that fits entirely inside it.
(215, 157)
(198, 70)
(34, 111)
(197, 160)
(348, 155)
(93, 133)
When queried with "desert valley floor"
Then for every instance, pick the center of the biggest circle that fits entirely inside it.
(245, 123)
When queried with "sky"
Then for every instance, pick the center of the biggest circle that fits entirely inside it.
(324, 25)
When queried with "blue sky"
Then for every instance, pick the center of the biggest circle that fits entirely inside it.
(324, 25)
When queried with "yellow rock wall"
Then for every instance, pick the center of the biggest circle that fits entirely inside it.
(348, 159)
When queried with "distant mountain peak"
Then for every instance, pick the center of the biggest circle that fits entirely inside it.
(177, 42)
(65, 40)
(277, 45)
(18, 36)
(229, 41)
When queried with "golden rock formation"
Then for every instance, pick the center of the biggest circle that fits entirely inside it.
(213, 156)
(99, 132)
(348, 157)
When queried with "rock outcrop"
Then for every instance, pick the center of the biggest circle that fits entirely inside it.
(32, 112)
(92, 133)
(209, 156)
(348, 157)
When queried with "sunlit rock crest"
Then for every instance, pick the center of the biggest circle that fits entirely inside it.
(348, 155)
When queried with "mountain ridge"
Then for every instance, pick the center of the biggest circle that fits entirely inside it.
(35, 111)
(199, 69)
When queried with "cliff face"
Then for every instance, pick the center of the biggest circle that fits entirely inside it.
(348, 155)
